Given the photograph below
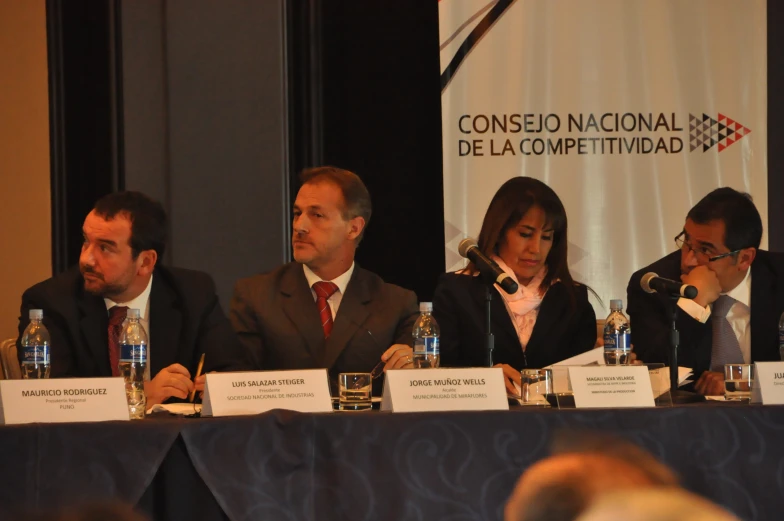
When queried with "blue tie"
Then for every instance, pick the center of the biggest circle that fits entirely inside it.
(726, 349)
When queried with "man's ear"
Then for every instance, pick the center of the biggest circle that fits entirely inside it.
(356, 225)
(146, 262)
(745, 257)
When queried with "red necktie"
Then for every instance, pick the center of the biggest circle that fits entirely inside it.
(324, 290)
(116, 318)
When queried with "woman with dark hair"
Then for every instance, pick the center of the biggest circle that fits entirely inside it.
(548, 320)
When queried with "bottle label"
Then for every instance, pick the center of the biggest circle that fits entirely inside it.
(426, 346)
(36, 355)
(133, 353)
(615, 341)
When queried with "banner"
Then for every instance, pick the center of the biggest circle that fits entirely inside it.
(631, 110)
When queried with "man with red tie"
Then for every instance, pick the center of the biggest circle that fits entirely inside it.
(120, 269)
(323, 310)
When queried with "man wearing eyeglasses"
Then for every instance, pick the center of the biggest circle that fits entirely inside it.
(718, 254)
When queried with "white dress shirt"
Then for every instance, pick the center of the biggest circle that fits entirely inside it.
(142, 303)
(739, 315)
(340, 281)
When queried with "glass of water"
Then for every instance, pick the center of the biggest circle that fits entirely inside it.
(738, 379)
(535, 385)
(354, 391)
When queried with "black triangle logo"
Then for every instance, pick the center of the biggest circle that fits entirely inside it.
(730, 131)
(722, 126)
(705, 117)
(713, 121)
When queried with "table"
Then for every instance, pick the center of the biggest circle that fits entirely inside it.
(373, 465)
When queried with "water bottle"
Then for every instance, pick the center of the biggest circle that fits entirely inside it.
(617, 335)
(35, 344)
(133, 363)
(426, 333)
(781, 336)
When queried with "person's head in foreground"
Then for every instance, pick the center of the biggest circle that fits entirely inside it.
(583, 466)
(654, 504)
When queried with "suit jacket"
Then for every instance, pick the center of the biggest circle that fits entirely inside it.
(277, 321)
(559, 333)
(185, 320)
(651, 317)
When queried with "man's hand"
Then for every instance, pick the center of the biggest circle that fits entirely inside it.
(172, 381)
(511, 377)
(710, 383)
(398, 356)
(706, 282)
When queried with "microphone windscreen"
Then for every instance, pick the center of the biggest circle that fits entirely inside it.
(465, 245)
(645, 282)
(690, 292)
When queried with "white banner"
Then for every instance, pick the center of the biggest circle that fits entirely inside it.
(631, 110)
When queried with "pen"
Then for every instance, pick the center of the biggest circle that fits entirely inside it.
(198, 374)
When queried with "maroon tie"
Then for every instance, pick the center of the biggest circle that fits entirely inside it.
(116, 318)
(324, 290)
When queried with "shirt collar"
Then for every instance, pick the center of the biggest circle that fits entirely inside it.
(742, 292)
(139, 302)
(340, 281)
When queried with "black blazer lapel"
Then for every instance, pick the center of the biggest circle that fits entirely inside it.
(500, 322)
(94, 325)
(298, 304)
(551, 314)
(165, 320)
(351, 314)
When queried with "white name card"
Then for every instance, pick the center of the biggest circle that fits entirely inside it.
(768, 385)
(235, 394)
(611, 386)
(58, 400)
(447, 389)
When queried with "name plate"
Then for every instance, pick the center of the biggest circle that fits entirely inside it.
(447, 389)
(768, 387)
(236, 394)
(58, 400)
(611, 386)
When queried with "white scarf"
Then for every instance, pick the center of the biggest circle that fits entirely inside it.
(523, 305)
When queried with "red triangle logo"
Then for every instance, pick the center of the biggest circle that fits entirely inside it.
(738, 126)
(721, 147)
(722, 117)
(730, 122)
(729, 141)
(747, 130)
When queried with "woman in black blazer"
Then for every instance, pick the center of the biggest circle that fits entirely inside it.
(548, 319)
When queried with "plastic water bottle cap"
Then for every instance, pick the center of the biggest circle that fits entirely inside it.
(132, 313)
(425, 307)
(616, 304)
(36, 314)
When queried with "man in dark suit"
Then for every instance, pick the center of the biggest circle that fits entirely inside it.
(119, 268)
(719, 255)
(323, 310)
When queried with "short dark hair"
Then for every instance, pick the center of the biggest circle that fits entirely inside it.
(355, 193)
(742, 221)
(147, 216)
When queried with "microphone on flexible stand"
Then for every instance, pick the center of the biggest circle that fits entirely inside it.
(652, 283)
(490, 272)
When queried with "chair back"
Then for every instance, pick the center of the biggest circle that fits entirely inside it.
(10, 362)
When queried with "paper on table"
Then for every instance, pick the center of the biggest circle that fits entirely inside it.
(179, 409)
(593, 357)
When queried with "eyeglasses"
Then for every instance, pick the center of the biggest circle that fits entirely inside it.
(700, 252)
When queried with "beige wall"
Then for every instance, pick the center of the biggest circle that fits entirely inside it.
(25, 210)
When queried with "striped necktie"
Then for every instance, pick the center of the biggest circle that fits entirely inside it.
(324, 290)
(726, 349)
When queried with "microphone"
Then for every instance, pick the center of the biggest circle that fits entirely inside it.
(490, 271)
(652, 283)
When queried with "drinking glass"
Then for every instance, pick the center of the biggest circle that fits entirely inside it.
(354, 391)
(738, 379)
(535, 384)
